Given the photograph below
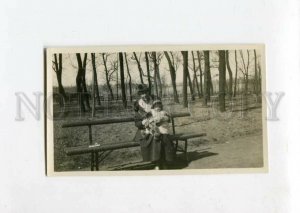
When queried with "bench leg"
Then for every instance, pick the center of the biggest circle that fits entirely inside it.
(185, 150)
(92, 161)
(103, 155)
(176, 145)
(97, 161)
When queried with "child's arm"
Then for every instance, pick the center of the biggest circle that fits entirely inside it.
(165, 117)
(147, 121)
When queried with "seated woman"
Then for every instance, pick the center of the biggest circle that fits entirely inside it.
(158, 147)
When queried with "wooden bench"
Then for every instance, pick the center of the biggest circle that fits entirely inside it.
(100, 151)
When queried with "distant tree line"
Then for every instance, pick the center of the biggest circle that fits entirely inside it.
(196, 80)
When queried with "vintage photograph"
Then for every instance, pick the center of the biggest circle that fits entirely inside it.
(155, 109)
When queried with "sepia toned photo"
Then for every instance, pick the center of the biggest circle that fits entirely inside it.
(146, 110)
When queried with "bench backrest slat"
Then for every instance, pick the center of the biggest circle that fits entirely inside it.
(113, 120)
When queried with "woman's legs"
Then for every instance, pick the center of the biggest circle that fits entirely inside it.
(165, 153)
(162, 160)
(168, 151)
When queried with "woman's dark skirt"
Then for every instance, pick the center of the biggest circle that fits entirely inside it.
(159, 148)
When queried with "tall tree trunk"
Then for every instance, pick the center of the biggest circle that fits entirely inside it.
(157, 75)
(236, 70)
(117, 75)
(200, 69)
(95, 79)
(211, 87)
(155, 84)
(247, 79)
(230, 75)
(206, 86)
(190, 85)
(107, 77)
(185, 74)
(159, 80)
(222, 80)
(86, 93)
(148, 72)
(173, 77)
(58, 71)
(80, 81)
(123, 91)
(139, 67)
(259, 77)
(195, 75)
(129, 75)
(255, 74)
(93, 84)
(246, 68)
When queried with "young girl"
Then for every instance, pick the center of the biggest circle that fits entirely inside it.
(157, 121)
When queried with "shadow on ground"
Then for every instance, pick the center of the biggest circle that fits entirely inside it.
(179, 163)
(182, 163)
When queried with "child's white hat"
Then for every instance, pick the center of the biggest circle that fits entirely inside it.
(156, 102)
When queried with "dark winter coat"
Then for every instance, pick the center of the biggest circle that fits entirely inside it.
(153, 148)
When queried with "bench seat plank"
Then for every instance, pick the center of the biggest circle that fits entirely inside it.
(113, 120)
(188, 136)
(103, 147)
(113, 146)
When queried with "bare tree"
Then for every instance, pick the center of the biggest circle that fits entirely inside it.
(139, 67)
(148, 71)
(245, 71)
(185, 73)
(157, 80)
(210, 84)
(259, 76)
(57, 67)
(222, 79)
(93, 84)
(236, 71)
(230, 74)
(200, 70)
(173, 77)
(123, 91)
(95, 81)
(81, 83)
(195, 75)
(129, 75)
(86, 93)
(108, 75)
(114, 65)
(176, 59)
(255, 74)
(191, 86)
(206, 86)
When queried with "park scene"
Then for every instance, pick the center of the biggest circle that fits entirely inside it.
(212, 99)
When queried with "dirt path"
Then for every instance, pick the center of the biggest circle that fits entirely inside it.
(243, 152)
(246, 152)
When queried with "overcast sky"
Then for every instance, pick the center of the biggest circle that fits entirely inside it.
(69, 71)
